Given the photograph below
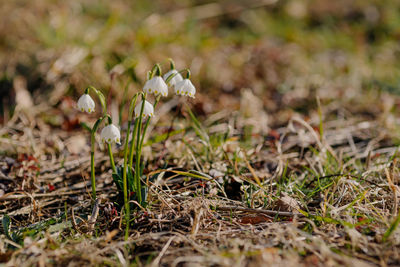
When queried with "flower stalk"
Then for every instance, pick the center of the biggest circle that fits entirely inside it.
(92, 150)
(147, 123)
(87, 104)
(139, 152)
(124, 174)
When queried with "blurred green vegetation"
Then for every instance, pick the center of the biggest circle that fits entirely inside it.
(328, 48)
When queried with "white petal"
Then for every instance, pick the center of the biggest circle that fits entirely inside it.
(156, 86)
(149, 86)
(86, 103)
(169, 73)
(177, 78)
(161, 88)
(148, 109)
(185, 88)
(110, 134)
(191, 89)
(179, 86)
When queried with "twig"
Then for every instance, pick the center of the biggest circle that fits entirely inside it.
(95, 213)
(393, 187)
(251, 170)
(12, 195)
(156, 261)
(74, 221)
(196, 223)
(269, 212)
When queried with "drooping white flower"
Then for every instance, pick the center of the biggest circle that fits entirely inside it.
(156, 86)
(148, 109)
(86, 103)
(110, 134)
(185, 88)
(174, 80)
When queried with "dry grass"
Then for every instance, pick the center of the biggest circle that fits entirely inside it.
(300, 169)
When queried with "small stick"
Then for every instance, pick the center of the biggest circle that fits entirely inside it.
(74, 222)
(93, 217)
(269, 212)
(196, 223)
(393, 187)
(251, 170)
(157, 260)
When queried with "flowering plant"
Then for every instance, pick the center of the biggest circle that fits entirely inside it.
(128, 176)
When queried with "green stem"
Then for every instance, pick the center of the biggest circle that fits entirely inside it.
(148, 122)
(134, 133)
(187, 73)
(156, 70)
(171, 63)
(169, 78)
(124, 178)
(92, 174)
(139, 152)
(103, 103)
(110, 154)
(133, 143)
(92, 149)
(391, 228)
(100, 96)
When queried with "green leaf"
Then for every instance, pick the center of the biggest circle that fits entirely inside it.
(6, 222)
(200, 131)
(117, 177)
(118, 180)
(145, 191)
(130, 178)
(85, 126)
(392, 228)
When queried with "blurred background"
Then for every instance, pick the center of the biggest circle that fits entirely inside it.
(277, 55)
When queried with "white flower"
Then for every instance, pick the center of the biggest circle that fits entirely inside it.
(148, 109)
(174, 80)
(110, 134)
(156, 86)
(86, 103)
(185, 87)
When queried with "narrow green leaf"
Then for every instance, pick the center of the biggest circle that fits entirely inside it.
(6, 222)
(391, 228)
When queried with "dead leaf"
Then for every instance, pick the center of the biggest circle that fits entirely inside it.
(255, 219)
(287, 203)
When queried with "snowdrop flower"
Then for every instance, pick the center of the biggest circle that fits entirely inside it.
(174, 80)
(156, 86)
(110, 134)
(86, 103)
(148, 109)
(185, 88)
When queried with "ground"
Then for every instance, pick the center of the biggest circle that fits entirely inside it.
(289, 157)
